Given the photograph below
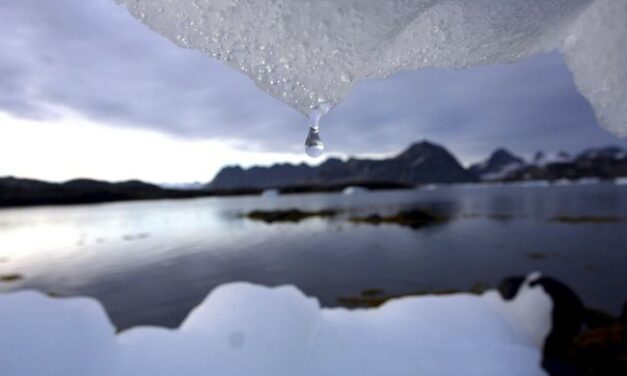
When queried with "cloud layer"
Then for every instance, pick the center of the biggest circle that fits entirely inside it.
(93, 59)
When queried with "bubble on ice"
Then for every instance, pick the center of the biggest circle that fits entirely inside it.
(245, 329)
(307, 52)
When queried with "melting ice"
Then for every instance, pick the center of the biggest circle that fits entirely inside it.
(242, 329)
(307, 51)
(313, 144)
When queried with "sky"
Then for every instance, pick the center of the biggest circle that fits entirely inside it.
(88, 91)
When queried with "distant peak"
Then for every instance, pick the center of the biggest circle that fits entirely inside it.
(501, 151)
(421, 146)
(504, 155)
(423, 143)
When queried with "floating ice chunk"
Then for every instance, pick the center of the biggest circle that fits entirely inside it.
(244, 329)
(621, 181)
(270, 193)
(309, 52)
(354, 190)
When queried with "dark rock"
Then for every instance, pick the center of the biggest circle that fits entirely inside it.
(568, 314)
(567, 319)
(603, 350)
(290, 215)
(508, 287)
(411, 218)
(11, 277)
(588, 219)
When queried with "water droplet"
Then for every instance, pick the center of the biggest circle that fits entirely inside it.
(313, 144)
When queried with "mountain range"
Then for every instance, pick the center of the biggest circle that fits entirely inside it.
(428, 163)
(421, 163)
(26, 192)
(603, 163)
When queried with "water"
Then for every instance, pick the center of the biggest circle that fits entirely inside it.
(313, 144)
(151, 262)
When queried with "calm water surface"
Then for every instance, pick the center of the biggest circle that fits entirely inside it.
(151, 262)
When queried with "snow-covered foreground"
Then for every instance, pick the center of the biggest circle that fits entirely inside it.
(310, 51)
(245, 329)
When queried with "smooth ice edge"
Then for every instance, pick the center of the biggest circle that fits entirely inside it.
(246, 329)
(305, 52)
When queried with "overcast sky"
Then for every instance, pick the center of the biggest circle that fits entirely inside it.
(86, 90)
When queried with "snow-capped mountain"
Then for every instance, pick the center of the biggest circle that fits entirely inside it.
(603, 163)
(544, 158)
(498, 165)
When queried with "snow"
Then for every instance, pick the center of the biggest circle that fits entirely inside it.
(543, 159)
(311, 52)
(588, 181)
(270, 193)
(354, 190)
(193, 186)
(246, 329)
(531, 183)
(621, 181)
(503, 172)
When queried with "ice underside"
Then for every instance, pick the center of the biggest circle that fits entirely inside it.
(244, 329)
(309, 51)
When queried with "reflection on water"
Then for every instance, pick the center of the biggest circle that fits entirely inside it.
(151, 262)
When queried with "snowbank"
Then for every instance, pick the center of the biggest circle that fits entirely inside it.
(244, 329)
(307, 52)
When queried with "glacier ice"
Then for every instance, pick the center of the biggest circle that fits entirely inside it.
(245, 329)
(305, 52)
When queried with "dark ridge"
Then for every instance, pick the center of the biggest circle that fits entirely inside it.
(421, 163)
(26, 192)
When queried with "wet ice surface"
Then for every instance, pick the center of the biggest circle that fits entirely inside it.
(152, 262)
(243, 329)
(311, 52)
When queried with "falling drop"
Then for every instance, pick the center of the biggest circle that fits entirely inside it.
(313, 144)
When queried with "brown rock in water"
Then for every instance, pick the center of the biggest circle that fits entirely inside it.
(289, 215)
(11, 277)
(602, 350)
(414, 218)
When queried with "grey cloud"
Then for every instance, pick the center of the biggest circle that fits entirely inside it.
(92, 57)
